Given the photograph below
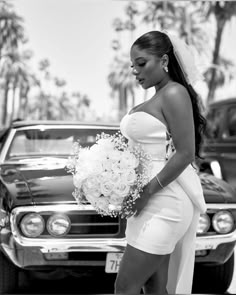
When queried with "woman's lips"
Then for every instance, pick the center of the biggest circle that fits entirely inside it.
(140, 81)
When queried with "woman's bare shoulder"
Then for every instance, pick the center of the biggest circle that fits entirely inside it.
(176, 94)
(175, 88)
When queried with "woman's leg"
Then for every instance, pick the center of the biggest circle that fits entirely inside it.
(156, 284)
(137, 267)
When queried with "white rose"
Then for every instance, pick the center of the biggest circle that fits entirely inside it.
(94, 148)
(121, 189)
(107, 165)
(91, 186)
(116, 177)
(116, 200)
(129, 176)
(129, 160)
(111, 176)
(115, 156)
(93, 196)
(106, 187)
(84, 154)
(95, 166)
(116, 169)
(105, 143)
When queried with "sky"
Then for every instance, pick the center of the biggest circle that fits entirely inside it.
(75, 35)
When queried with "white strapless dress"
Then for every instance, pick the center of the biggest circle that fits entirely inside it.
(168, 223)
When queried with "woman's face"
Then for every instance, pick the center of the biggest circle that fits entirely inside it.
(147, 68)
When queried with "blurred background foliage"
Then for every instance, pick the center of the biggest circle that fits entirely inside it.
(26, 94)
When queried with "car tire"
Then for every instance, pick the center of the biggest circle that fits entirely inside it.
(8, 275)
(213, 279)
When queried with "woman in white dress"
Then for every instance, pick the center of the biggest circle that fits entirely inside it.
(160, 251)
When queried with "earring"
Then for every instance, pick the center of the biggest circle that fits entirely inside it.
(166, 69)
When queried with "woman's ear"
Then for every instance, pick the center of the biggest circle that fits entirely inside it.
(165, 60)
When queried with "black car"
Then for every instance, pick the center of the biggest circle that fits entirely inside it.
(45, 233)
(219, 149)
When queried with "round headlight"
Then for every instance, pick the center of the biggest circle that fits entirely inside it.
(32, 225)
(223, 222)
(203, 224)
(58, 225)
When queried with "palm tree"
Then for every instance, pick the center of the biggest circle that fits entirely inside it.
(187, 19)
(159, 13)
(223, 11)
(122, 82)
(11, 34)
(11, 29)
(81, 106)
(16, 77)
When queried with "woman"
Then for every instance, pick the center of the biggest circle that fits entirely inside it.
(159, 256)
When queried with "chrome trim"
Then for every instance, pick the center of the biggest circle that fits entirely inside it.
(212, 242)
(221, 206)
(101, 244)
(68, 126)
(216, 169)
(64, 245)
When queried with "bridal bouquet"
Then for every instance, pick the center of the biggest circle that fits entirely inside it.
(110, 174)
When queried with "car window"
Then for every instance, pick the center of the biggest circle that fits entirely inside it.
(50, 142)
(231, 122)
(214, 118)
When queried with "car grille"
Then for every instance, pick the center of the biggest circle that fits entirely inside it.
(84, 224)
(89, 224)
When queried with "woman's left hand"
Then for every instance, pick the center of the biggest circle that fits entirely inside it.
(140, 203)
(137, 206)
(152, 187)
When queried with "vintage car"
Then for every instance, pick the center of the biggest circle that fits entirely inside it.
(45, 233)
(219, 148)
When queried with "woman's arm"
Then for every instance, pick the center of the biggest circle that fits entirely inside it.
(177, 111)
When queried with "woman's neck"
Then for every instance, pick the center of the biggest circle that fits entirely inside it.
(163, 84)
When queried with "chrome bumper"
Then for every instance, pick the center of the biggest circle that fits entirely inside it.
(100, 244)
(64, 245)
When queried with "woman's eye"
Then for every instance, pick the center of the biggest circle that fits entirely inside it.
(142, 64)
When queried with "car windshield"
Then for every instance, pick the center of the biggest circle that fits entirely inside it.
(50, 142)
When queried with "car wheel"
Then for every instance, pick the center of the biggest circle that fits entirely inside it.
(213, 279)
(8, 275)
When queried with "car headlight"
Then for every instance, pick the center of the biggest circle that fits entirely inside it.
(58, 225)
(203, 224)
(223, 222)
(32, 225)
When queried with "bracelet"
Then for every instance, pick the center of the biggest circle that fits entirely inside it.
(159, 182)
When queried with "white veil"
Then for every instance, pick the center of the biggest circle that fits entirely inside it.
(186, 59)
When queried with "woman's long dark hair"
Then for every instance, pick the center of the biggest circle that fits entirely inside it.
(158, 44)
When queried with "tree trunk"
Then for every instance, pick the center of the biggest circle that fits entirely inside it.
(212, 84)
(5, 103)
(122, 101)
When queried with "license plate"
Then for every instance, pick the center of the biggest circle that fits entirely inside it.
(208, 246)
(113, 262)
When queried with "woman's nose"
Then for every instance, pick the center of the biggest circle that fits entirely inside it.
(134, 71)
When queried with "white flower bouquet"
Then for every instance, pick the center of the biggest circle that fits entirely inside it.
(110, 174)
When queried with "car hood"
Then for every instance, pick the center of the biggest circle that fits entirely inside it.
(216, 190)
(33, 183)
(48, 182)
